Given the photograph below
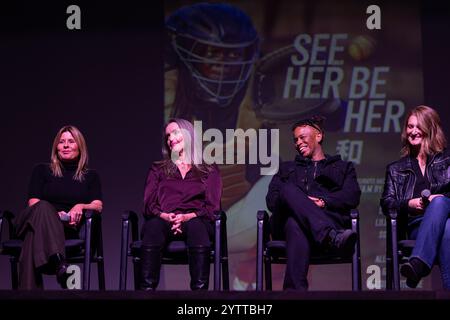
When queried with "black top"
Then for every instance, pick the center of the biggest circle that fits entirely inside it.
(64, 192)
(307, 180)
(422, 182)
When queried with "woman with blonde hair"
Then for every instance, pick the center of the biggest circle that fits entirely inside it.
(58, 194)
(423, 167)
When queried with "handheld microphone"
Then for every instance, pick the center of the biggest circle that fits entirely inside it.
(425, 194)
(65, 216)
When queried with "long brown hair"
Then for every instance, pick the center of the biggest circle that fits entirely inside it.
(55, 162)
(194, 153)
(429, 123)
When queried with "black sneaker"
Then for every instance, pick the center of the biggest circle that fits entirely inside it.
(343, 242)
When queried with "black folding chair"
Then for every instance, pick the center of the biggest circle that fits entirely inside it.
(86, 250)
(175, 252)
(274, 252)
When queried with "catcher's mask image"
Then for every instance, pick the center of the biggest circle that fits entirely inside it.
(218, 45)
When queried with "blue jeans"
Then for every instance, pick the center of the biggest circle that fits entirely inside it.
(433, 237)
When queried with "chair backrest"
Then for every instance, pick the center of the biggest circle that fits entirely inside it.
(6, 217)
(175, 252)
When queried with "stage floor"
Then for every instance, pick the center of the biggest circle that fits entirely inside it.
(222, 295)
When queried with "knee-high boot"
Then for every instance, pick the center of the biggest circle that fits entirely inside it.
(58, 263)
(199, 263)
(150, 267)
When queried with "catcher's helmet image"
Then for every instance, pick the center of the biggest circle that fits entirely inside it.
(217, 44)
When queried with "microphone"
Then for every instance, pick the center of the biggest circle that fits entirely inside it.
(65, 216)
(425, 195)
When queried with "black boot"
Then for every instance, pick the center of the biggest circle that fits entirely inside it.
(414, 270)
(59, 264)
(199, 261)
(150, 267)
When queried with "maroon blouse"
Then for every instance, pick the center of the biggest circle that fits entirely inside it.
(198, 192)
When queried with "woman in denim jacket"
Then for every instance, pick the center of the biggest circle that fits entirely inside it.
(424, 166)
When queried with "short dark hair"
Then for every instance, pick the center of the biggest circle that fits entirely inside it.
(315, 121)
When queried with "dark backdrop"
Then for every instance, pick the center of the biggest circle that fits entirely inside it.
(435, 16)
(107, 79)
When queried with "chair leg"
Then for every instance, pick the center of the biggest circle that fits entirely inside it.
(225, 275)
(100, 261)
(87, 255)
(396, 274)
(217, 266)
(394, 254)
(356, 274)
(259, 263)
(86, 272)
(389, 262)
(356, 269)
(124, 256)
(388, 273)
(101, 273)
(14, 273)
(259, 249)
(136, 272)
(217, 275)
(268, 273)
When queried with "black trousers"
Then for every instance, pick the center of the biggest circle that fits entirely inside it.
(43, 235)
(196, 232)
(305, 228)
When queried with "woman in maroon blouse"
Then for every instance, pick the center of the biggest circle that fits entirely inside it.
(179, 203)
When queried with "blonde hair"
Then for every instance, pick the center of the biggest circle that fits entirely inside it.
(55, 161)
(429, 123)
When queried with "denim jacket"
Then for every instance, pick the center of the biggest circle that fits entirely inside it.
(400, 181)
